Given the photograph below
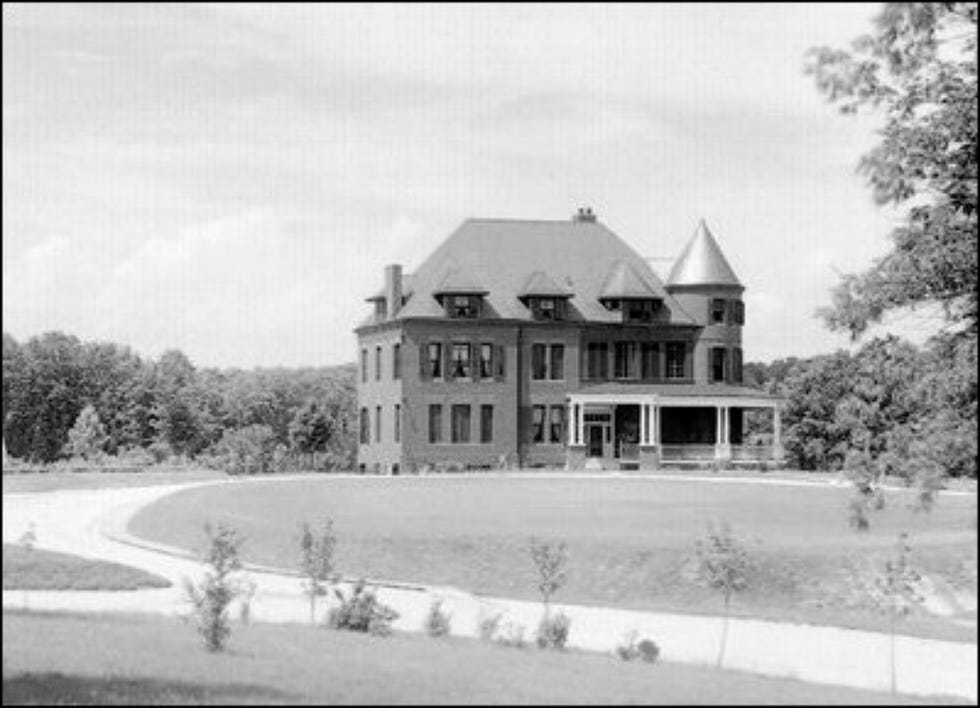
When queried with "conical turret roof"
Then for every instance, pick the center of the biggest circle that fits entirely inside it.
(702, 262)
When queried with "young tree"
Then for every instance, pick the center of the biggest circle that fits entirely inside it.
(316, 561)
(212, 595)
(893, 591)
(919, 68)
(550, 560)
(87, 438)
(723, 564)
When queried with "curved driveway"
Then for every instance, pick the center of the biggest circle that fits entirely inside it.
(92, 523)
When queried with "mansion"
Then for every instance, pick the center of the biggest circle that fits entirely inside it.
(553, 343)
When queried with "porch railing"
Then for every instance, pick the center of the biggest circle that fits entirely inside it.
(629, 451)
(687, 452)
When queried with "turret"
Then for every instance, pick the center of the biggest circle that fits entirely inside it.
(705, 285)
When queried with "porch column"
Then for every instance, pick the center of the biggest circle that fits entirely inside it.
(777, 445)
(572, 421)
(644, 424)
(655, 428)
(580, 423)
(723, 452)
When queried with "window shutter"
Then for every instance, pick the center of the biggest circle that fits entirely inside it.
(424, 361)
(499, 355)
(475, 360)
(447, 360)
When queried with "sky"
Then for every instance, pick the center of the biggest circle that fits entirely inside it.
(231, 180)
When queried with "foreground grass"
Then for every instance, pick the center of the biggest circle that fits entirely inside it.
(59, 659)
(45, 570)
(21, 483)
(630, 540)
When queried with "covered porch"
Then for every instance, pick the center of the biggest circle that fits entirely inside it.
(649, 429)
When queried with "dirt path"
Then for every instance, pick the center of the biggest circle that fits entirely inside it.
(92, 523)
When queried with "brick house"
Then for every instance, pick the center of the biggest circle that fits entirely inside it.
(553, 343)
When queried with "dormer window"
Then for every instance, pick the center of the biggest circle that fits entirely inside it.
(547, 309)
(641, 310)
(381, 308)
(464, 306)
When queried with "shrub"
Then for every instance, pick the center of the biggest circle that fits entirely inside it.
(550, 559)
(631, 650)
(361, 612)
(553, 631)
(437, 621)
(488, 626)
(213, 594)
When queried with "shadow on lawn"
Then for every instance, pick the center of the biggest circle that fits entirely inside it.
(59, 689)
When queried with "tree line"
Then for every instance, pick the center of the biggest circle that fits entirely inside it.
(66, 398)
(890, 407)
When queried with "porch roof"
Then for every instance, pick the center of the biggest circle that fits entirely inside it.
(678, 393)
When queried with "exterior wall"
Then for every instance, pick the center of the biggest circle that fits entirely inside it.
(419, 394)
(696, 301)
(548, 393)
(386, 392)
(640, 334)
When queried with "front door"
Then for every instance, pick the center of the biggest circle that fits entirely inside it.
(596, 439)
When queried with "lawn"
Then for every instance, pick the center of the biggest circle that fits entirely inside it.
(35, 569)
(60, 659)
(630, 540)
(18, 483)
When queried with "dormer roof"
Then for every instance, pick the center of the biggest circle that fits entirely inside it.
(458, 281)
(540, 284)
(624, 283)
(702, 263)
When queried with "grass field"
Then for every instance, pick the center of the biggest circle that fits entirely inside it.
(52, 481)
(44, 570)
(61, 659)
(630, 540)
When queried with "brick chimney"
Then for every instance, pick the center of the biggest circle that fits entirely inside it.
(393, 289)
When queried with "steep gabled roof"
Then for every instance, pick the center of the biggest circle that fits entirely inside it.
(624, 282)
(702, 263)
(540, 284)
(499, 257)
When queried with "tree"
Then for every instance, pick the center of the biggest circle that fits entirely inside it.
(723, 564)
(316, 562)
(219, 587)
(310, 430)
(893, 592)
(550, 560)
(919, 68)
(247, 451)
(87, 438)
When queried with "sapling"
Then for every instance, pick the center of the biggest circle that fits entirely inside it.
(723, 564)
(316, 562)
(213, 594)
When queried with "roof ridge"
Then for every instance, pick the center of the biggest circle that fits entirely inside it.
(522, 221)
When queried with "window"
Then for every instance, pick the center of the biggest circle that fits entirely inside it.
(717, 311)
(626, 365)
(650, 361)
(364, 365)
(737, 365)
(547, 309)
(557, 362)
(365, 428)
(464, 306)
(597, 365)
(539, 364)
(377, 363)
(381, 308)
(537, 423)
(548, 362)
(377, 424)
(435, 423)
(640, 310)
(486, 423)
(557, 423)
(460, 423)
(718, 356)
(435, 359)
(461, 360)
(738, 312)
(398, 423)
(611, 305)
(676, 353)
(396, 361)
(486, 361)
